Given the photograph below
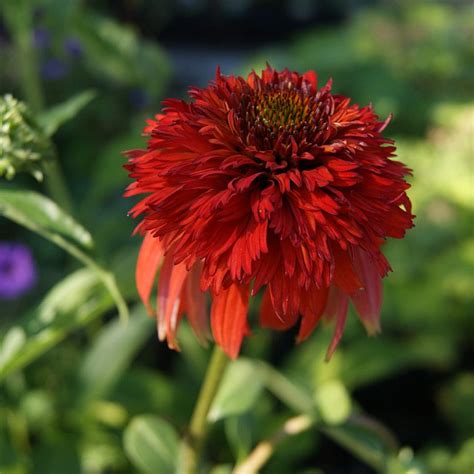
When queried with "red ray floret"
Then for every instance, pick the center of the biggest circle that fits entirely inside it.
(266, 182)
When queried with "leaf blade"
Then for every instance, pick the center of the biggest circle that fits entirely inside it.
(151, 444)
(61, 113)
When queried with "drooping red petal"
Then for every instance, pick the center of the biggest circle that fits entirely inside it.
(270, 319)
(368, 300)
(344, 275)
(149, 259)
(336, 309)
(229, 318)
(170, 285)
(313, 303)
(196, 304)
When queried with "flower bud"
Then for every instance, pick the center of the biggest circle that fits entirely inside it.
(22, 142)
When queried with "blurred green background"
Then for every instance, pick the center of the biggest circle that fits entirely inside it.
(72, 377)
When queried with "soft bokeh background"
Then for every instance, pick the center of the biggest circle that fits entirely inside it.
(72, 377)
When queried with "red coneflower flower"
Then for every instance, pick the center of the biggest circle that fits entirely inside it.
(266, 183)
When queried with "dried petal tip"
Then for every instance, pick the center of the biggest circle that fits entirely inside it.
(272, 183)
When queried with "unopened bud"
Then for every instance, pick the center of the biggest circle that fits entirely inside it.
(22, 142)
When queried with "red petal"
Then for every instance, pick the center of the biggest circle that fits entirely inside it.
(368, 300)
(170, 284)
(229, 318)
(313, 303)
(344, 274)
(336, 308)
(312, 78)
(270, 319)
(149, 259)
(196, 304)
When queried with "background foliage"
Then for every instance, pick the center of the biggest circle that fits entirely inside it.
(81, 392)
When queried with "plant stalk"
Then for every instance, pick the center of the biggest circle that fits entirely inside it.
(19, 19)
(264, 450)
(55, 183)
(193, 441)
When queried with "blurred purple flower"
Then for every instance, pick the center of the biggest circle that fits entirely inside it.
(41, 37)
(139, 98)
(54, 69)
(17, 270)
(73, 47)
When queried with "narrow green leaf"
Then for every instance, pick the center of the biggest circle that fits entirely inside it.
(151, 444)
(104, 363)
(365, 438)
(115, 51)
(72, 303)
(238, 392)
(59, 114)
(289, 392)
(42, 215)
(239, 434)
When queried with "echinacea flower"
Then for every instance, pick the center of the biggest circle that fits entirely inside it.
(266, 184)
(17, 270)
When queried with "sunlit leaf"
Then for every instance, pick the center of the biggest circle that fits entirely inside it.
(238, 392)
(112, 352)
(42, 215)
(71, 304)
(333, 401)
(151, 444)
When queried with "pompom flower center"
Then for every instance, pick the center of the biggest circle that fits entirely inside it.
(287, 111)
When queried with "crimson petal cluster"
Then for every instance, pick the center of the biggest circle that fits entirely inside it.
(268, 184)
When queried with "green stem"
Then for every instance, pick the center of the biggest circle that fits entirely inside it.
(193, 442)
(56, 185)
(19, 17)
(264, 450)
(107, 277)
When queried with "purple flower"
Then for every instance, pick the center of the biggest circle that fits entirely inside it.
(17, 270)
(41, 37)
(54, 69)
(73, 46)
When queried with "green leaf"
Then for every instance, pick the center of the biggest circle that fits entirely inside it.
(108, 176)
(151, 444)
(59, 114)
(104, 363)
(288, 391)
(238, 392)
(145, 390)
(333, 401)
(359, 366)
(72, 303)
(42, 215)
(239, 434)
(115, 51)
(366, 438)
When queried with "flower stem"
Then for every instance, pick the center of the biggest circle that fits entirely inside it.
(55, 184)
(263, 451)
(19, 19)
(193, 442)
